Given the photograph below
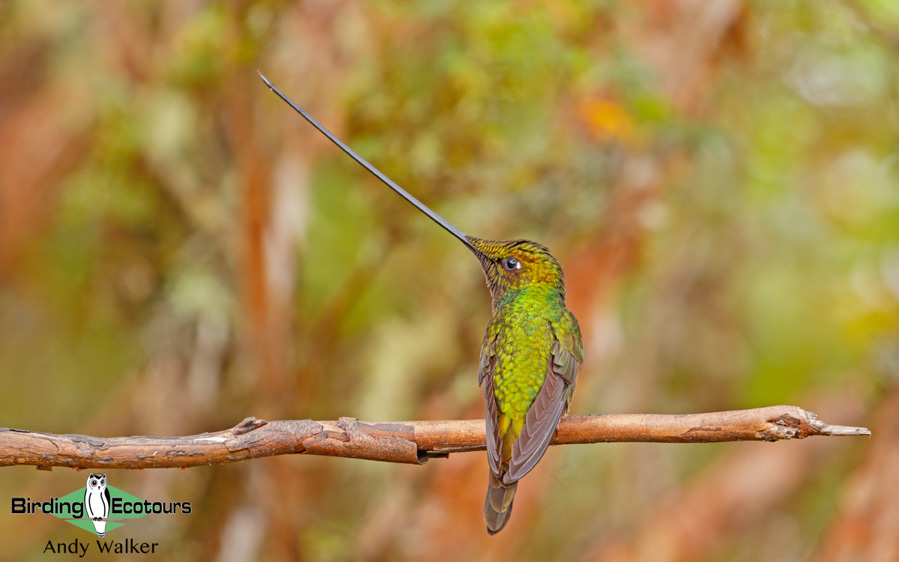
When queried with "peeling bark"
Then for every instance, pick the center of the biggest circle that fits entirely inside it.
(412, 442)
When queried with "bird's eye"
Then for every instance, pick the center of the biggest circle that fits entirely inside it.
(511, 264)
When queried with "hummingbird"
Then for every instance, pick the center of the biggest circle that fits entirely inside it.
(531, 352)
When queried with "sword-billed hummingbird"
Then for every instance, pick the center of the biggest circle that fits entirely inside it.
(531, 351)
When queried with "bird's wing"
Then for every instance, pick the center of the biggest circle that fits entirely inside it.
(544, 414)
(485, 380)
(568, 333)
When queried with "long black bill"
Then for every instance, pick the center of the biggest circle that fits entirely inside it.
(374, 171)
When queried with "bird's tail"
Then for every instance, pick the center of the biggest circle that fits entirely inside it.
(498, 504)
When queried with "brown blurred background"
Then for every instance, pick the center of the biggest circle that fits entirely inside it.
(179, 250)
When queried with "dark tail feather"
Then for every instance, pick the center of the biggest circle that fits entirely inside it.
(498, 504)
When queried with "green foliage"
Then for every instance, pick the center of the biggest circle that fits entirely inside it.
(721, 194)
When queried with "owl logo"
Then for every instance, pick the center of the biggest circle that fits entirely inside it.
(96, 502)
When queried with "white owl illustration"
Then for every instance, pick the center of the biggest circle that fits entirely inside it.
(96, 502)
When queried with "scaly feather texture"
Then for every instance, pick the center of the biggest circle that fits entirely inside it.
(531, 351)
(529, 362)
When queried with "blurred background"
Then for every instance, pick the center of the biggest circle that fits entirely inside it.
(179, 250)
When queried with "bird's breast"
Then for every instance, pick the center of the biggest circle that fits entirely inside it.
(523, 345)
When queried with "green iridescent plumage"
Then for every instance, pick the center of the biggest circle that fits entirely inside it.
(528, 366)
(531, 350)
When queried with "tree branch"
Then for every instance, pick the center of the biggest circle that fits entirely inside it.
(406, 442)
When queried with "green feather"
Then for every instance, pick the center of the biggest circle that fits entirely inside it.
(529, 361)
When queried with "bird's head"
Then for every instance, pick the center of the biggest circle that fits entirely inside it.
(509, 265)
(512, 265)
